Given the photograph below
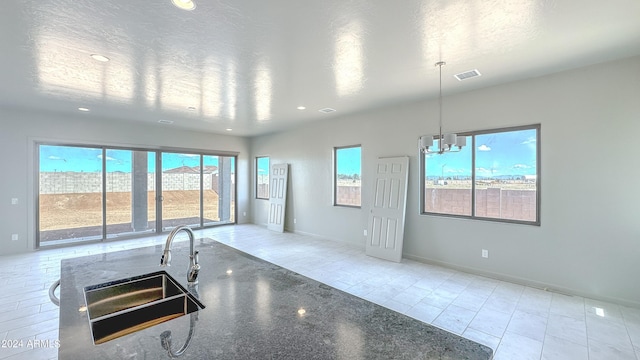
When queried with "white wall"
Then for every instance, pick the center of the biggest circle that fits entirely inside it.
(589, 240)
(20, 129)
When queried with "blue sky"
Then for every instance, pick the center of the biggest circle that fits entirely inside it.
(349, 160)
(78, 159)
(507, 153)
(510, 153)
(263, 165)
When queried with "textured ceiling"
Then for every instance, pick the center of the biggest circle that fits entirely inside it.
(247, 65)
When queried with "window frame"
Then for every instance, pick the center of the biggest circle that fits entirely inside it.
(104, 147)
(335, 175)
(257, 193)
(473, 216)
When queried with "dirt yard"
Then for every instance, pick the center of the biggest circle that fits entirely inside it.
(64, 211)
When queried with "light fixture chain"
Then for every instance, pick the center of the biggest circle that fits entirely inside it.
(453, 143)
(440, 138)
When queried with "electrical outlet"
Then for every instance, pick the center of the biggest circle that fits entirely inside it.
(14, 237)
(485, 253)
(295, 221)
(244, 213)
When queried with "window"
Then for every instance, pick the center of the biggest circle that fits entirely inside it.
(130, 192)
(262, 177)
(70, 196)
(448, 184)
(96, 193)
(496, 178)
(347, 175)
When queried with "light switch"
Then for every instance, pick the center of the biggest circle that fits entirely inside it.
(14, 201)
(14, 237)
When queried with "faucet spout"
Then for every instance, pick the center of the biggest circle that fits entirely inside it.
(194, 267)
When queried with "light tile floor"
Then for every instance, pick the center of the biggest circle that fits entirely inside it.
(518, 322)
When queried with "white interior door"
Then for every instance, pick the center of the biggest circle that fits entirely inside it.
(385, 228)
(277, 196)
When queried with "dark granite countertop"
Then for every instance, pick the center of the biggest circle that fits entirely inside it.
(252, 312)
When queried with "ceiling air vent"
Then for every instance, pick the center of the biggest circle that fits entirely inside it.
(327, 110)
(165, 121)
(467, 75)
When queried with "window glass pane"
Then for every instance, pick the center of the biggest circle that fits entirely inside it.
(262, 177)
(70, 194)
(348, 173)
(130, 192)
(180, 190)
(447, 182)
(218, 189)
(506, 175)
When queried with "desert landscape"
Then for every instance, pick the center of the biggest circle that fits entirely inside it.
(74, 213)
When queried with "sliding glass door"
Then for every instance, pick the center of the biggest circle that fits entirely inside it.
(99, 193)
(218, 191)
(197, 190)
(180, 190)
(70, 193)
(130, 192)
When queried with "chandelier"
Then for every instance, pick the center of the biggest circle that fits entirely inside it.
(446, 142)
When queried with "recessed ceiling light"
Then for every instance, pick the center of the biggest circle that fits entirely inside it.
(99, 57)
(191, 108)
(228, 129)
(327, 110)
(184, 4)
(83, 109)
(301, 107)
(165, 122)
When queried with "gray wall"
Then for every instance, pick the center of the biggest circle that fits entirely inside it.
(20, 129)
(589, 241)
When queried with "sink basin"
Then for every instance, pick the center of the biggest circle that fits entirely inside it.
(121, 307)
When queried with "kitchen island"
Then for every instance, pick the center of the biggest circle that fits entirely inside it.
(253, 310)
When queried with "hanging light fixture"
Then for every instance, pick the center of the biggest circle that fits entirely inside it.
(446, 142)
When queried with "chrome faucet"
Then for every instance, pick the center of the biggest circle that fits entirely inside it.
(165, 338)
(194, 267)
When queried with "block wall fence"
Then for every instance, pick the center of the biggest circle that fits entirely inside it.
(75, 182)
(490, 202)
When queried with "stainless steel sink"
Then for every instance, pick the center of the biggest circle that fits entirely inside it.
(121, 307)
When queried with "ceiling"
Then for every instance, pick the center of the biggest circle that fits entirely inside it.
(246, 65)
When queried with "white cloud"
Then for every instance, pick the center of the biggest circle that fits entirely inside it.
(530, 140)
(484, 147)
(108, 158)
(483, 170)
(521, 166)
(456, 171)
(52, 157)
